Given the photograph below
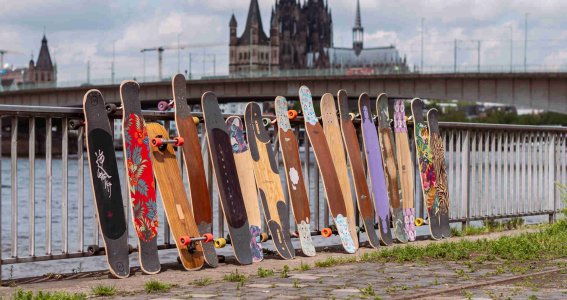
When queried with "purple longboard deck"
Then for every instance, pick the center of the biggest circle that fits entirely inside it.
(375, 169)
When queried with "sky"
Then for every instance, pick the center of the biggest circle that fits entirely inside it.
(88, 31)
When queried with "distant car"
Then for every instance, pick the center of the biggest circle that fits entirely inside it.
(359, 71)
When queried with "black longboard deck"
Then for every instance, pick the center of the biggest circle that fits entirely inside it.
(194, 166)
(268, 181)
(106, 184)
(226, 176)
(426, 168)
(442, 183)
(141, 166)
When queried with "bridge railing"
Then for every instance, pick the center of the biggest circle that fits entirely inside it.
(47, 209)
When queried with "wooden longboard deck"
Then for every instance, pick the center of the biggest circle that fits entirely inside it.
(375, 169)
(327, 171)
(405, 167)
(226, 175)
(244, 168)
(426, 169)
(390, 167)
(106, 184)
(141, 185)
(268, 181)
(175, 202)
(352, 145)
(334, 139)
(194, 166)
(441, 184)
(294, 177)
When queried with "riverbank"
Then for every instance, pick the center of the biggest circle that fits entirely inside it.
(518, 264)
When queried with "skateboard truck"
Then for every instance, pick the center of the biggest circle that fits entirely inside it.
(189, 241)
(161, 143)
(76, 123)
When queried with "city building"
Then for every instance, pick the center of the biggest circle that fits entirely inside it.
(41, 71)
(301, 37)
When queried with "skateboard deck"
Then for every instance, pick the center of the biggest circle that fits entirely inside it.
(226, 175)
(405, 167)
(194, 167)
(332, 131)
(363, 198)
(375, 169)
(106, 184)
(327, 171)
(175, 202)
(294, 177)
(268, 181)
(244, 167)
(426, 169)
(141, 185)
(441, 184)
(390, 167)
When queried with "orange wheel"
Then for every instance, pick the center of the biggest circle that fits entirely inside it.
(263, 237)
(157, 142)
(326, 232)
(208, 237)
(196, 120)
(185, 240)
(292, 114)
(179, 141)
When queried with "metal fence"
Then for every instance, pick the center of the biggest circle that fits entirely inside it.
(46, 205)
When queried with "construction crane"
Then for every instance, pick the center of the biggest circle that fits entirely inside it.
(2, 52)
(160, 50)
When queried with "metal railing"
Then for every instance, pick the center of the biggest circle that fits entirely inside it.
(47, 210)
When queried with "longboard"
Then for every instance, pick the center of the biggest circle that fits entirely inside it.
(294, 177)
(244, 167)
(441, 184)
(375, 169)
(226, 175)
(268, 181)
(390, 168)
(327, 171)
(141, 185)
(106, 184)
(352, 145)
(334, 139)
(426, 169)
(194, 167)
(175, 202)
(405, 168)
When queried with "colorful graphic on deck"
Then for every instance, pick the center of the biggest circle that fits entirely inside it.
(427, 170)
(236, 133)
(344, 233)
(409, 220)
(141, 178)
(438, 151)
(307, 105)
(399, 117)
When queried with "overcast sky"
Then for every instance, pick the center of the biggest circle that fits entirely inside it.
(86, 30)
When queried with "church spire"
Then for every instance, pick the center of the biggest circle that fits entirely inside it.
(357, 31)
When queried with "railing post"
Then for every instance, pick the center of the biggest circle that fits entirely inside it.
(467, 187)
(551, 175)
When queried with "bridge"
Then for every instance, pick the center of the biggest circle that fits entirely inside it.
(547, 91)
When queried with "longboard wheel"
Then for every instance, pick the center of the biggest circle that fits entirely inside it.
(185, 240)
(93, 249)
(267, 122)
(163, 105)
(179, 141)
(76, 123)
(326, 232)
(110, 107)
(157, 142)
(196, 120)
(220, 243)
(130, 248)
(292, 114)
(418, 222)
(208, 237)
(263, 237)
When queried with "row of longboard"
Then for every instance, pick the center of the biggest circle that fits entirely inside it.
(245, 170)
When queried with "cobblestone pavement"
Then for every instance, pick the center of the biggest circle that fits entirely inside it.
(326, 276)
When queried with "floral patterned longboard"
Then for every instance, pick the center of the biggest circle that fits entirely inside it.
(141, 186)
(442, 184)
(327, 171)
(106, 184)
(294, 177)
(244, 167)
(426, 169)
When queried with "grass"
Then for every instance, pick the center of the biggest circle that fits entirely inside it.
(296, 284)
(103, 290)
(155, 286)
(304, 267)
(203, 281)
(334, 261)
(235, 277)
(489, 226)
(285, 271)
(265, 272)
(368, 290)
(41, 295)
